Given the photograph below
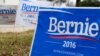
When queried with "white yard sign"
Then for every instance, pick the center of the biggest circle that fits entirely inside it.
(27, 14)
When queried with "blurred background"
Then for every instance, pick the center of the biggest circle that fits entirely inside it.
(77, 3)
(12, 5)
(67, 2)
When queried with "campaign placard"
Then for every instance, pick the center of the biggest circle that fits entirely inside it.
(67, 32)
(7, 14)
(27, 13)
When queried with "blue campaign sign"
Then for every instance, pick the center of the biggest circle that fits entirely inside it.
(67, 32)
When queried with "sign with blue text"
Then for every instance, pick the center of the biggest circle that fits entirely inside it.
(7, 14)
(67, 32)
(27, 13)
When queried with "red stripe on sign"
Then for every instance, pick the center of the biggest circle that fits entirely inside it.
(73, 37)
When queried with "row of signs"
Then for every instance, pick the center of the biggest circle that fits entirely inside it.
(24, 13)
(27, 10)
(62, 31)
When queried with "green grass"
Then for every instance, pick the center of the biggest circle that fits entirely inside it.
(15, 44)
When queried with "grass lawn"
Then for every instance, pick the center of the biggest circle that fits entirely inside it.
(15, 44)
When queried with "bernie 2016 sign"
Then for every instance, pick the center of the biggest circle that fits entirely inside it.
(67, 32)
(27, 13)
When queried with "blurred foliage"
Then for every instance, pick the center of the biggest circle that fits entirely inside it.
(89, 3)
(58, 0)
(49, 0)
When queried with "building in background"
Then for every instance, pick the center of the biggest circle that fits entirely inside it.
(9, 2)
(1, 2)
